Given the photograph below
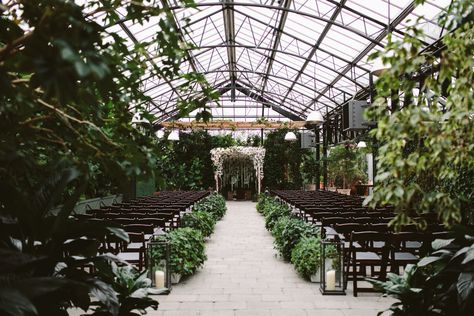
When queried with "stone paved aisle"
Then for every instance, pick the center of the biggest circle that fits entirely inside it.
(243, 277)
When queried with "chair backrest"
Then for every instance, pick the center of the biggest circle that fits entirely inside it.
(399, 241)
(155, 221)
(136, 237)
(347, 228)
(409, 228)
(362, 220)
(139, 228)
(321, 215)
(124, 221)
(365, 241)
(330, 221)
(379, 227)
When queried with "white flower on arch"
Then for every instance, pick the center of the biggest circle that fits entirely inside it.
(256, 154)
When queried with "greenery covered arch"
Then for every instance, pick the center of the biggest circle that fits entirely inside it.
(256, 154)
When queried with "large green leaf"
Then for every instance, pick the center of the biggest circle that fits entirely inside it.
(14, 303)
(441, 243)
(465, 287)
(105, 294)
(428, 260)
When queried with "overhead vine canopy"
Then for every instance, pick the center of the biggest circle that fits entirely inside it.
(279, 59)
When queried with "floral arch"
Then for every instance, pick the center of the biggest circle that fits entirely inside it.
(255, 154)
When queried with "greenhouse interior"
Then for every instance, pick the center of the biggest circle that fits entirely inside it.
(252, 157)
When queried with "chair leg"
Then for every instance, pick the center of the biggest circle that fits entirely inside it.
(354, 275)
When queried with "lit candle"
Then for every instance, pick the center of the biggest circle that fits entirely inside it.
(331, 280)
(159, 279)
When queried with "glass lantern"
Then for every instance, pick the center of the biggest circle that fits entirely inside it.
(332, 267)
(158, 257)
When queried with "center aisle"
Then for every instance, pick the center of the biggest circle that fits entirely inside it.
(243, 277)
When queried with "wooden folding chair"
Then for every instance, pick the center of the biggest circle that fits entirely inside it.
(365, 255)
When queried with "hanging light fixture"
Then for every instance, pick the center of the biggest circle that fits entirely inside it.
(315, 118)
(174, 135)
(379, 67)
(361, 144)
(290, 137)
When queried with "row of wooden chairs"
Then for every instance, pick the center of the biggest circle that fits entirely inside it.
(142, 218)
(371, 253)
(370, 245)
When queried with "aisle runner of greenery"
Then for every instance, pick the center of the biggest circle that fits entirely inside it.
(188, 250)
(295, 240)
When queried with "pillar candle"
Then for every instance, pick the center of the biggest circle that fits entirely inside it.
(159, 279)
(331, 280)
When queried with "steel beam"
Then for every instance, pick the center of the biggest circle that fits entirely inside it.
(316, 46)
(229, 29)
(270, 103)
(276, 43)
(403, 15)
(285, 9)
(150, 60)
(189, 56)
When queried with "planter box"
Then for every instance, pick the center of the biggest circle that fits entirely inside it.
(344, 191)
(175, 278)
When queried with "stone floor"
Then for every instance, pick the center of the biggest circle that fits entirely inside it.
(242, 276)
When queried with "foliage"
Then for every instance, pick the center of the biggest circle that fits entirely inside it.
(262, 202)
(440, 284)
(273, 211)
(132, 288)
(346, 164)
(309, 168)
(426, 147)
(187, 250)
(306, 256)
(200, 220)
(288, 231)
(213, 204)
(282, 161)
(187, 164)
(42, 253)
(68, 84)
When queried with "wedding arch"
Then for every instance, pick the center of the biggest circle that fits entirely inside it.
(235, 154)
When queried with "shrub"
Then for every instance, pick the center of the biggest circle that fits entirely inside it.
(262, 202)
(200, 220)
(214, 204)
(306, 256)
(187, 250)
(288, 232)
(273, 212)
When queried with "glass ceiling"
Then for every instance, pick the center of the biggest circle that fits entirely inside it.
(280, 58)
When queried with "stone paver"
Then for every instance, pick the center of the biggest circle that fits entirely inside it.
(242, 276)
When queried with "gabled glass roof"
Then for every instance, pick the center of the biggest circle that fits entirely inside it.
(287, 56)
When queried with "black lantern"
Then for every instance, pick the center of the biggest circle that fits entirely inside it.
(332, 267)
(158, 257)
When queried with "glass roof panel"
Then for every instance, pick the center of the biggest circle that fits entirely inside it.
(312, 51)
